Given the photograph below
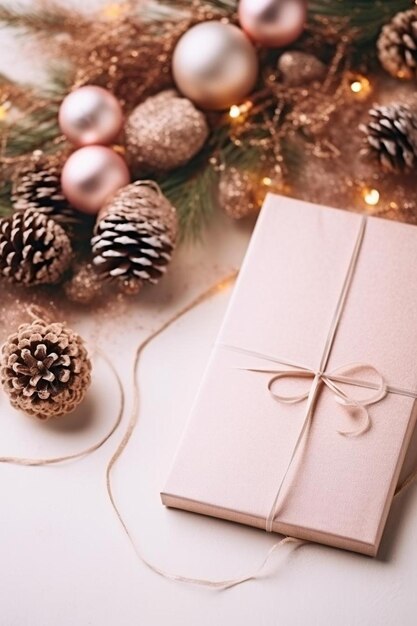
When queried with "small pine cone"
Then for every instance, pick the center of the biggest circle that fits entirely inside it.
(45, 369)
(134, 237)
(38, 187)
(34, 249)
(391, 136)
(397, 45)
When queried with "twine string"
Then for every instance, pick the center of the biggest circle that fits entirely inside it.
(130, 428)
(15, 460)
(132, 423)
(208, 583)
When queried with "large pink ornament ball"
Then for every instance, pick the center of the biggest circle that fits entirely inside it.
(215, 65)
(90, 115)
(273, 23)
(91, 176)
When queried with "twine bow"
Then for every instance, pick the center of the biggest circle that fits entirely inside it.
(333, 381)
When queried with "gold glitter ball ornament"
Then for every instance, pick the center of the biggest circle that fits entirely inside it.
(238, 193)
(45, 369)
(164, 132)
(299, 68)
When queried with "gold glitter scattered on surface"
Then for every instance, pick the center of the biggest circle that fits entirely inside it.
(84, 286)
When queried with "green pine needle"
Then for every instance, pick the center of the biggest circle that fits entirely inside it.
(5, 201)
(364, 17)
(50, 19)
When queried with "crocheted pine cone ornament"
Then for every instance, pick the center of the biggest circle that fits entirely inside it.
(397, 45)
(38, 187)
(34, 249)
(45, 369)
(134, 237)
(391, 136)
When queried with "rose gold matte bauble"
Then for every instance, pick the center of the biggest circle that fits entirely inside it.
(215, 65)
(273, 23)
(90, 115)
(91, 176)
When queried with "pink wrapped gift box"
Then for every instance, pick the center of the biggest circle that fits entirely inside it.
(306, 408)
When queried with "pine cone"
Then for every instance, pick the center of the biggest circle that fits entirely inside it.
(134, 237)
(45, 369)
(34, 250)
(38, 187)
(397, 45)
(391, 135)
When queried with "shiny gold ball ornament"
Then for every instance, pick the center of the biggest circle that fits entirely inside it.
(164, 132)
(215, 65)
(90, 115)
(273, 23)
(45, 369)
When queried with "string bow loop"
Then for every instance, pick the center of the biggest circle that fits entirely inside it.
(345, 375)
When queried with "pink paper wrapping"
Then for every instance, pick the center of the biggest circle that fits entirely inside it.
(239, 439)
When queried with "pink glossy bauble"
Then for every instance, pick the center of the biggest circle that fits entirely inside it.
(215, 65)
(91, 176)
(273, 23)
(90, 115)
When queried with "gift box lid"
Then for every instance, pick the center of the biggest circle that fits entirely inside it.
(306, 407)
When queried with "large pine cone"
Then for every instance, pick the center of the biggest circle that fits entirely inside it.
(397, 45)
(38, 187)
(391, 136)
(134, 237)
(34, 249)
(45, 369)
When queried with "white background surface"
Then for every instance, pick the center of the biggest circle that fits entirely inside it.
(64, 559)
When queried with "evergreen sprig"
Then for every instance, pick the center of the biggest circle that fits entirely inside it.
(193, 187)
(364, 17)
(51, 18)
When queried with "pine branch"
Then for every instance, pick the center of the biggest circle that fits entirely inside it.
(193, 187)
(37, 131)
(5, 193)
(192, 190)
(48, 18)
(36, 124)
(364, 17)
